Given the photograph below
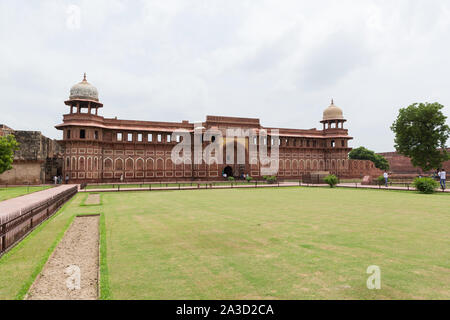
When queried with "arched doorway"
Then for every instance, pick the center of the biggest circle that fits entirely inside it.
(228, 171)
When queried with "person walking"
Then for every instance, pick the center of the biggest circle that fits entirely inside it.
(55, 179)
(442, 178)
(386, 176)
(67, 179)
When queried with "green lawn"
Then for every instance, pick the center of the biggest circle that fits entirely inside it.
(284, 243)
(162, 184)
(13, 192)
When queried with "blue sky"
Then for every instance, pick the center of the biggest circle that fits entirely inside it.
(280, 61)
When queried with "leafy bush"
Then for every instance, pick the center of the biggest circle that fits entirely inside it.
(248, 178)
(331, 180)
(231, 179)
(425, 185)
(270, 179)
(380, 180)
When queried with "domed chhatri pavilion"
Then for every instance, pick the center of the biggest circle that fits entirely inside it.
(98, 149)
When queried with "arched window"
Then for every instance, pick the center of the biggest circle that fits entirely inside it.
(149, 164)
(160, 164)
(108, 164)
(140, 164)
(81, 163)
(119, 164)
(129, 164)
(74, 163)
(169, 164)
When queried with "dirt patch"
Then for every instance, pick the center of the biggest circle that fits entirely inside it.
(92, 199)
(71, 273)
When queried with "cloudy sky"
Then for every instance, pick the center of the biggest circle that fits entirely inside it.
(173, 60)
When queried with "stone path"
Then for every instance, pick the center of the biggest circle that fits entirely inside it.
(92, 199)
(28, 200)
(71, 273)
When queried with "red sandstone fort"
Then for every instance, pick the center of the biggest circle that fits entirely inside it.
(103, 149)
(98, 149)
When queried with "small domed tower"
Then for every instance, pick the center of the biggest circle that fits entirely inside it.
(333, 118)
(333, 128)
(83, 96)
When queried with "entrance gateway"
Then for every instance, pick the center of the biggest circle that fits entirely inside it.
(228, 171)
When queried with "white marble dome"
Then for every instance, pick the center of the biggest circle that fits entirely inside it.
(84, 90)
(333, 113)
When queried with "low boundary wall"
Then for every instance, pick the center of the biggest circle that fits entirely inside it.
(14, 226)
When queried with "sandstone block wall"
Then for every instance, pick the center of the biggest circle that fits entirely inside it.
(36, 161)
(23, 173)
(401, 165)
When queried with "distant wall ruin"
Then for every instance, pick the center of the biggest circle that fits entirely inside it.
(37, 160)
(401, 165)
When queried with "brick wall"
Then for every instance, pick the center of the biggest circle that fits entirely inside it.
(402, 165)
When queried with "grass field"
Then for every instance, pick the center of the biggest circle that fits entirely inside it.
(162, 184)
(13, 192)
(288, 243)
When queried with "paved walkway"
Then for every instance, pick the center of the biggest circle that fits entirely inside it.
(29, 200)
(358, 185)
(252, 185)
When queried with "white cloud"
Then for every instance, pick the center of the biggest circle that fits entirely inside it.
(279, 61)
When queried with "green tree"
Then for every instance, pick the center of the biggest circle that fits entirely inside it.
(421, 134)
(8, 145)
(362, 153)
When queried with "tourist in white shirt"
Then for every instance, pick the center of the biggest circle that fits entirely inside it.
(442, 178)
(385, 175)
